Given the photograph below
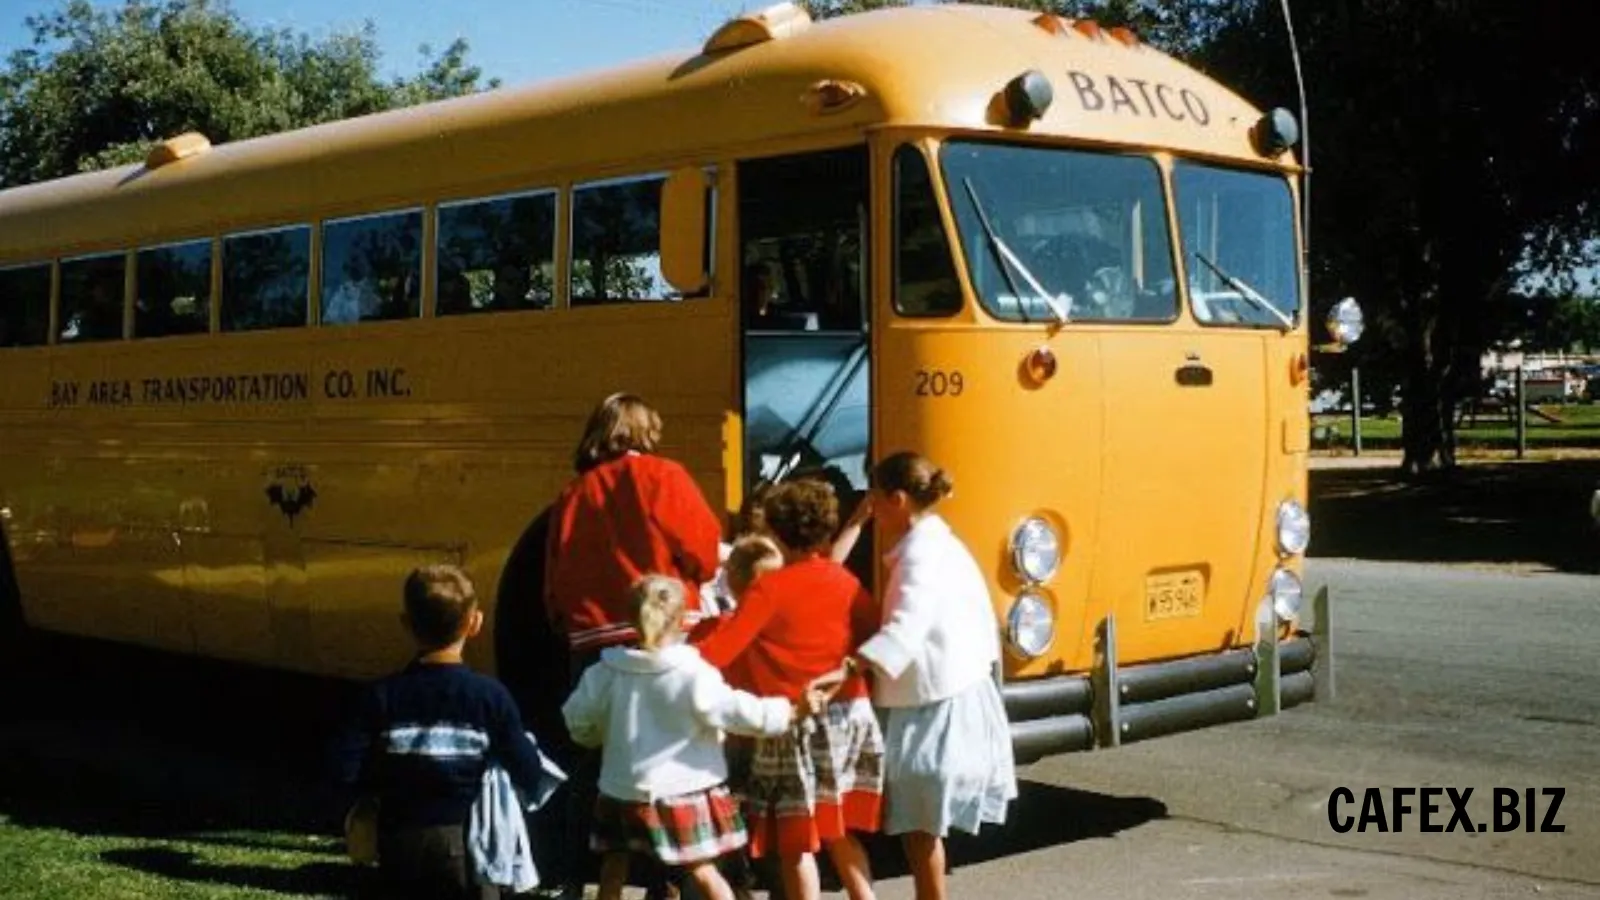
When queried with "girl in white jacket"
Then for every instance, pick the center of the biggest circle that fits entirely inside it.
(947, 758)
(659, 712)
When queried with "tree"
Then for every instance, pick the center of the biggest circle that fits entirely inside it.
(1454, 145)
(100, 84)
(1179, 26)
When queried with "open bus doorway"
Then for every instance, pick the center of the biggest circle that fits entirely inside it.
(803, 253)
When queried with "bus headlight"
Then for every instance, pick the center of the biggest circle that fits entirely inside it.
(1286, 592)
(1294, 528)
(1035, 550)
(1031, 626)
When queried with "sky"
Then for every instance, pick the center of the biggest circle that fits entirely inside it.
(516, 40)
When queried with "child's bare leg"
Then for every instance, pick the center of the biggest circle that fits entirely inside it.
(710, 881)
(613, 875)
(925, 853)
(855, 870)
(799, 875)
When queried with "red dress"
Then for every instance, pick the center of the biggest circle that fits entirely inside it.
(825, 777)
(623, 519)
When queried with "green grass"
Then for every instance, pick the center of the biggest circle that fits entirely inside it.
(54, 863)
(1579, 427)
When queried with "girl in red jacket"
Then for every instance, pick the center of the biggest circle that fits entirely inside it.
(813, 786)
(627, 514)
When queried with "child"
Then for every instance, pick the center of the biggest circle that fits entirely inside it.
(659, 712)
(423, 739)
(749, 558)
(812, 787)
(948, 762)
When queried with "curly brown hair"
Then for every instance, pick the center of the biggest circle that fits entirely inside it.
(804, 515)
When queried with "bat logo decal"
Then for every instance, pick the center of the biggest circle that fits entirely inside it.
(291, 492)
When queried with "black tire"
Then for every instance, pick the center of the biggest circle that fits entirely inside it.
(11, 621)
(530, 658)
(13, 632)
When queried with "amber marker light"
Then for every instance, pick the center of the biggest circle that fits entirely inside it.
(1040, 365)
(1299, 368)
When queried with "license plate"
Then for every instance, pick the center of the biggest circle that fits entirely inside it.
(1173, 595)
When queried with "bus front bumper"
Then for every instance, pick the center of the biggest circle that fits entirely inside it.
(1115, 705)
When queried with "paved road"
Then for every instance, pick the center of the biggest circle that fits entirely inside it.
(1447, 677)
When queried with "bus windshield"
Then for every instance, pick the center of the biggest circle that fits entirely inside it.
(1239, 246)
(1048, 232)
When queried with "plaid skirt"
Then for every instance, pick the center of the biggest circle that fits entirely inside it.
(817, 782)
(679, 831)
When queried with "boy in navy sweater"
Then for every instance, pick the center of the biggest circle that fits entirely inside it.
(422, 740)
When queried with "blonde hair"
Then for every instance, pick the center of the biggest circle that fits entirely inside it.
(750, 556)
(658, 602)
(622, 423)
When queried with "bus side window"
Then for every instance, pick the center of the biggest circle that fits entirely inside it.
(173, 290)
(497, 255)
(266, 279)
(25, 306)
(924, 275)
(91, 298)
(372, 268)
(616, 243)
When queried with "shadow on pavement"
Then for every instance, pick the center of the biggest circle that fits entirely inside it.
(104, 740)
(1535, 513)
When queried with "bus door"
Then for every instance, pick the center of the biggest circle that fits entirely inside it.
(803, 294)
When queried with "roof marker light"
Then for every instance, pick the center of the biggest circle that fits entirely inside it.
(1276, 132)
(1028, 96)
(1056, 25)
(1088, 28)
(831, 96)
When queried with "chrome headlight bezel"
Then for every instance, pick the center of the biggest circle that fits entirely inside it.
(1287, 593)
(1030, 625)
(1293, 528)
(1035, 550)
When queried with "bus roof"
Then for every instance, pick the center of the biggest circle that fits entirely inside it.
(939, 66)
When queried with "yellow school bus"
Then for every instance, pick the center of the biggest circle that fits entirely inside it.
(244, 388)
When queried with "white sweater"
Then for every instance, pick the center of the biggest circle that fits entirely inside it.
(660, 716)
(939, 634)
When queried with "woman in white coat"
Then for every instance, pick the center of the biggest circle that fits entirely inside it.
(948, 761)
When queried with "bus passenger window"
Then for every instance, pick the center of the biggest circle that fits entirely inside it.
(616, 243)
(173, 293)
(266, 279)
(497, 255)
(25, 306)
(91, 298)
(924, 277)
(802, 231)
(372, 268)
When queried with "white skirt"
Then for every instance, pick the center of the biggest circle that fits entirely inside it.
(948, 764)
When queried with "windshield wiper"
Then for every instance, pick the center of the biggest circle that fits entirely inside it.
(1248, 292)
(1004, 254)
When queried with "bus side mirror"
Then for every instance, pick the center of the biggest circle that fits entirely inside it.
(685, 200)
(1345, 324)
